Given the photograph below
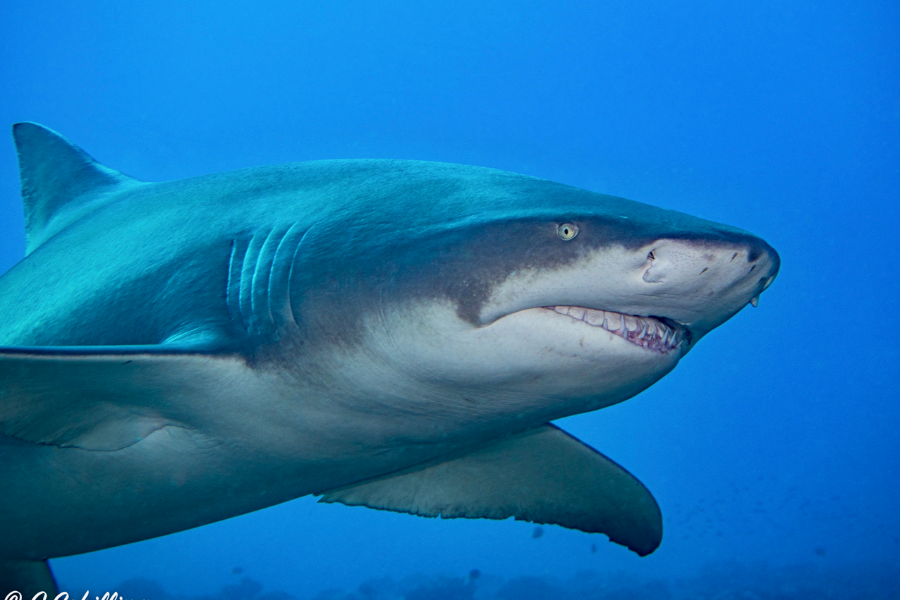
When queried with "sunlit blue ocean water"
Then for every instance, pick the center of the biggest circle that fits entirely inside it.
(773, 448)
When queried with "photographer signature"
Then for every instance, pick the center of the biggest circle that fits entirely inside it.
(14, 595)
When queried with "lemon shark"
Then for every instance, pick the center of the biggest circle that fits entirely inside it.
(385, 333)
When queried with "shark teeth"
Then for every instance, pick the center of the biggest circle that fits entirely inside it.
(647, 332)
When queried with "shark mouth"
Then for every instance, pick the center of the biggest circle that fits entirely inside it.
(654, 333)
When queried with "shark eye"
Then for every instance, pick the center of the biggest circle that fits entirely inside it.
(567, 231)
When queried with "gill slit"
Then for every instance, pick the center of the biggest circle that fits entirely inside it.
(260, 270)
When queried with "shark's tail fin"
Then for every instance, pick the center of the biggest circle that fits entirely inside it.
(59, 181)
(28, 577)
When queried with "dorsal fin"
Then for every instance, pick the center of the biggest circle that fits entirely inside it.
(57, 176)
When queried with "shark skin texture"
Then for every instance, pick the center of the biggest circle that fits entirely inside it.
(384, 333)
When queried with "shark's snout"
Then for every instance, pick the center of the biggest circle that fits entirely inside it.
(702, 283)
(688, 280)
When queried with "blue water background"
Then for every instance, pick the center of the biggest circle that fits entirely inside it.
(775, 442)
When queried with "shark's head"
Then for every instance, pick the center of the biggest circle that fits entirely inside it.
(498, 295)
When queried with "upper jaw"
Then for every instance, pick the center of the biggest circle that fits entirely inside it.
(688, 286)
(656, 334)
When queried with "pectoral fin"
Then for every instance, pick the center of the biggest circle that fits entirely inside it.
(543, 475)
(99, 398)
